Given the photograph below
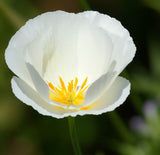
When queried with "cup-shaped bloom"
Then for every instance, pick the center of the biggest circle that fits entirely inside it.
(68, 64)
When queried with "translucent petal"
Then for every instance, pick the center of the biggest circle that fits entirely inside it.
(30, 97)
(59, 44)
(40, 85)
(123, 45)
(99, 87)
(112, 98)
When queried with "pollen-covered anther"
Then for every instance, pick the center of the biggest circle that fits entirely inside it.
(70, 95)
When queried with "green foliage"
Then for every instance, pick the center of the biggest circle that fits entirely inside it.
(154, 4)
(148, 140)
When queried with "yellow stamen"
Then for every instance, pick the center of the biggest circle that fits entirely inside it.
(62, 84)
(51, 85)
(70, 96)
(70, 86)
(85, 108)
(84, 83)
(75, 83)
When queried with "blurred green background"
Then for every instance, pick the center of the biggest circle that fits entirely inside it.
(133, 129)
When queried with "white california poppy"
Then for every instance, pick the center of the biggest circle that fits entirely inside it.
(68, 64)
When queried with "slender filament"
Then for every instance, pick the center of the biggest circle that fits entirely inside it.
(70, 95)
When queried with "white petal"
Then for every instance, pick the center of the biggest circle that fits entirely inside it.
(104, 21)
(27, 95)
(39, 51)
(40, 85)
(123, 46)
(99, 87)
(59, 44)
(94, 51)
(112, 98)
(65, 30)
(78, 46)
(35, 43)
(30, 97)
(15, 61)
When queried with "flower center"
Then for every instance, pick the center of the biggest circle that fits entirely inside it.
(71, 95)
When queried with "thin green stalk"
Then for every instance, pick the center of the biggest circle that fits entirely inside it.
(73, 135)
(120, 126)
(85, 4)
(13, 17)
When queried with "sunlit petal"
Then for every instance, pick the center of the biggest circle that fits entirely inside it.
(68, 64)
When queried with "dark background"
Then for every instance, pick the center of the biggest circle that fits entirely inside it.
(25, 132)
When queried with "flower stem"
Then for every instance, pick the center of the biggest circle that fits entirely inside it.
(73, 135)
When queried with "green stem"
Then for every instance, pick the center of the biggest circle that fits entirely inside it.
(13, 17)
(85, 4)
(120, 126)
(73, 135)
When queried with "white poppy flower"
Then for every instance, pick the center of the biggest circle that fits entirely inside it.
(68, 64)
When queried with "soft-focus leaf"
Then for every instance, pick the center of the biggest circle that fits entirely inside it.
(154, 53)
(154, 4)
(146, 85)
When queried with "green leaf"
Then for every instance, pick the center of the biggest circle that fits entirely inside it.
(154, 4)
